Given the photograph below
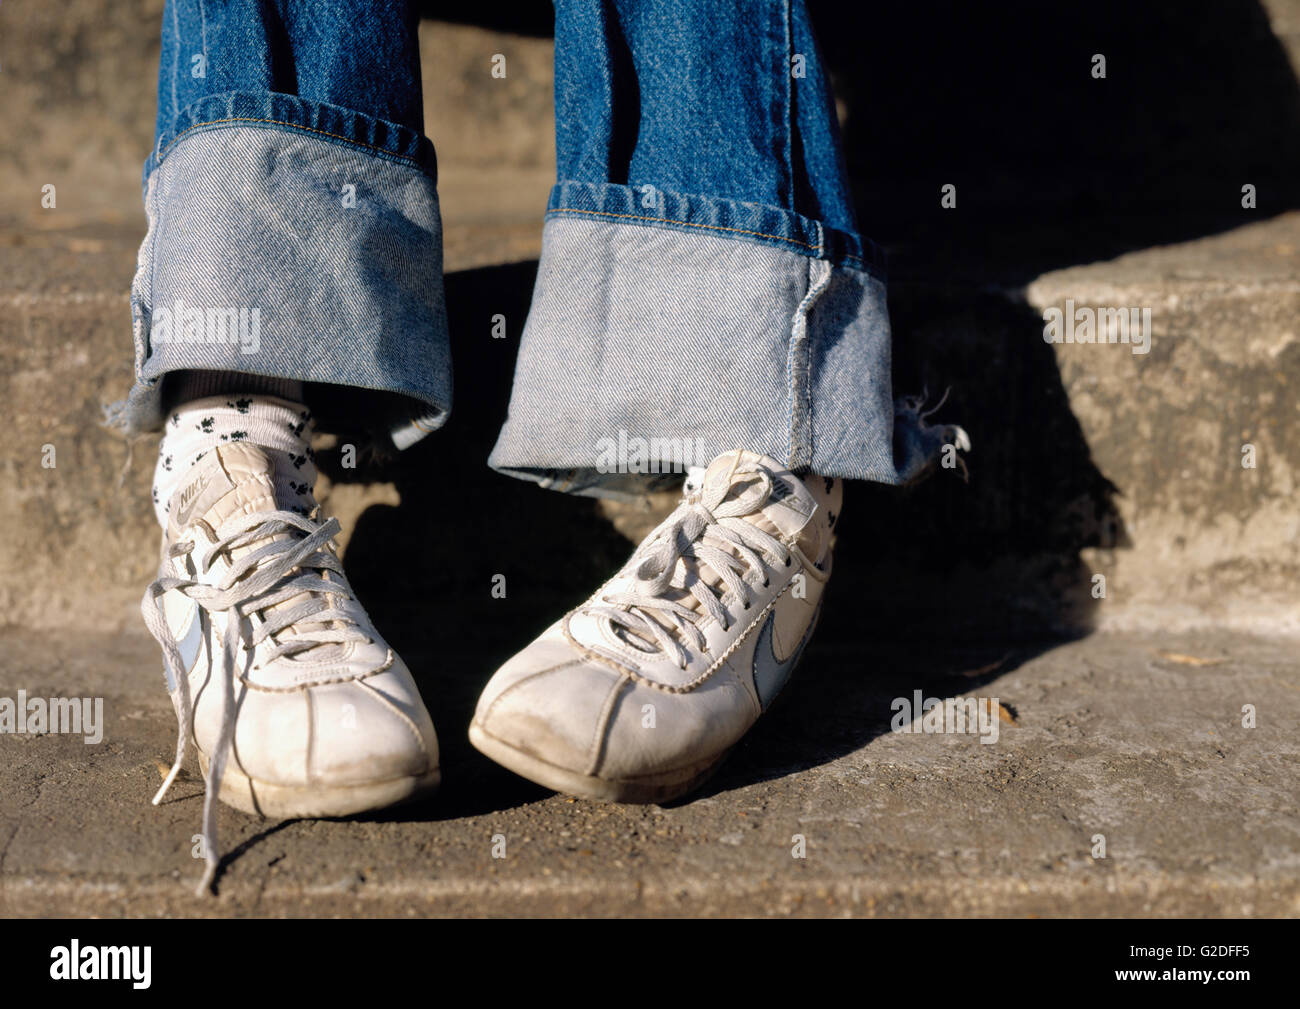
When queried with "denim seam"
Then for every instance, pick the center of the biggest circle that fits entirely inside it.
(687, 224)
(293, 126)
(798, 369)
(789, 105)
(146, 328)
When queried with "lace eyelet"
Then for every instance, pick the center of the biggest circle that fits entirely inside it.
(788, 562)
(746, 606)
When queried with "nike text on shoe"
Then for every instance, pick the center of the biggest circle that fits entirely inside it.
(639, 693)
(296, 705)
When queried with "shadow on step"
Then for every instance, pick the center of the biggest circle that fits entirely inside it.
(991, 563)
(947, 586)
(1052, 165)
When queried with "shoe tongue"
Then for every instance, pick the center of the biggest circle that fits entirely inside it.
(233, 480)
(733, 474)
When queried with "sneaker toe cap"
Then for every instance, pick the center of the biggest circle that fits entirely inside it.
(369, 731)
(553, 708)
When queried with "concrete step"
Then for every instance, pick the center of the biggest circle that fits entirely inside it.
(1134, 738)
(1087, 460)
(1200, 435)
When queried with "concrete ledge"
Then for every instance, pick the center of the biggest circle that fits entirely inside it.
(1135, 737)
(1201, 435)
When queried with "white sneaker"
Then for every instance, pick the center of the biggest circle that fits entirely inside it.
(296, 705)
(639, 693)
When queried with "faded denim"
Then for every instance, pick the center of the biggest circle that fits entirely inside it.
(702, 276)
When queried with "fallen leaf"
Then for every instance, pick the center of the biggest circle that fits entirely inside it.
(986, 669)
(165, 769)
(1187, 660)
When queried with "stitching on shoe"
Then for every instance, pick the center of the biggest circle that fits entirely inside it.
(601, 736)
(387, 664)
(310, 701)
(402, 715)
(524, 679)
(683, 688)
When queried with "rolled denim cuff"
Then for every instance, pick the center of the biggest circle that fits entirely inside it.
(292, 239)
(666, 328)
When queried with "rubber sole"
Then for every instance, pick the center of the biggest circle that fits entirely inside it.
(288, 802)
(661, 787)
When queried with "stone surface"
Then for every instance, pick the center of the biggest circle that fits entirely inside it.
(1201, 434)
(1135, 737)
(1085, 461)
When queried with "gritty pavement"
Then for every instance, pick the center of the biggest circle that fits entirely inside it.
(1136, 737)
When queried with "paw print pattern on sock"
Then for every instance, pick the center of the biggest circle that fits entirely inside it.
(206, 425)
(297, 460)
(301, 489)
(241, 405)
(176, 420)
(167, 463)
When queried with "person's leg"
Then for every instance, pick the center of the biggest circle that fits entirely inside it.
(292, 267)
(294, 230)
(702, 277)
(702, 288)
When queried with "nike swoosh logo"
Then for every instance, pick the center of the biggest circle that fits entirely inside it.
(188, 647)
(771, 673)
(201, 495)
(189, 497)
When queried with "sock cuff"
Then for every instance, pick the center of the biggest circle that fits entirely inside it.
(279, 427)
(180, 387)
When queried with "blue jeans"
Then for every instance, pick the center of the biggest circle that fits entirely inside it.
(702, 280)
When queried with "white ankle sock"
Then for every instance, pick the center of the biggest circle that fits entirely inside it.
(280, 428)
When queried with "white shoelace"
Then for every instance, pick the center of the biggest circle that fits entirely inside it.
(709, 531)
(257, 581)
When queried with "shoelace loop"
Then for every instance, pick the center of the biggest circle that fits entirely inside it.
(709, 530)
